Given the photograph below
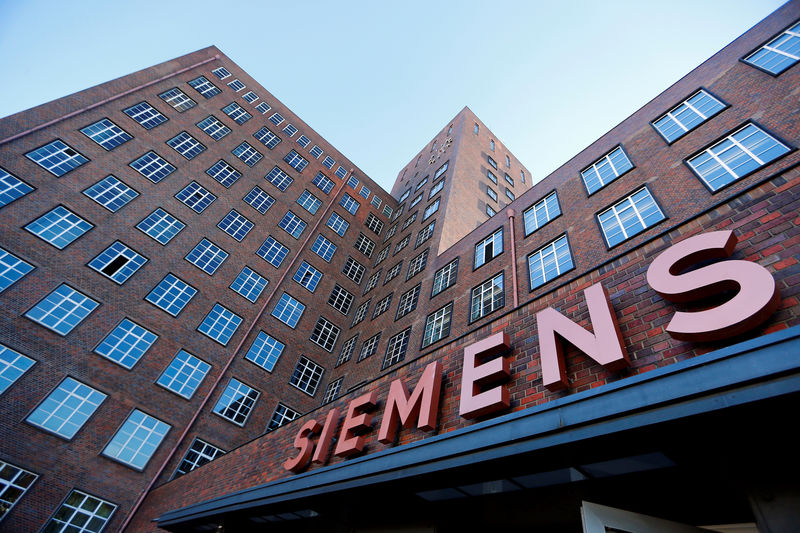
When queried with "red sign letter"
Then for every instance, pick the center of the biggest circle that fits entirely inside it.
(604, 346)
(349, 443)
(303, 443)
(475, 376)
(325, 438)
(423, 405)
(756, 299)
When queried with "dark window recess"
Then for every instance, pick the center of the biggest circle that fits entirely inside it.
(111, 268)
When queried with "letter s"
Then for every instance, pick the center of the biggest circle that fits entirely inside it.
(756, 299)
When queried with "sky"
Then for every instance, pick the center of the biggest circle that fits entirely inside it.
(379, 79)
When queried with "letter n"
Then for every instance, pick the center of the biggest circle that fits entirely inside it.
(605, 346)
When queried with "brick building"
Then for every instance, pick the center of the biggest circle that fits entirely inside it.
(195, 285)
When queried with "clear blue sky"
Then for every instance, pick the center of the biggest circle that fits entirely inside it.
(378, 79)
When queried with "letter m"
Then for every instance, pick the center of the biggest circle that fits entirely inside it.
(423, 404)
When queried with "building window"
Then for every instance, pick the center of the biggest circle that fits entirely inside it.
(476, 129)
(387, 211)
(369, 347)
(441, 170)
(438, 186)
(146, 115)
(421, 184)
(207, 256)
(491, 177)
(337, 224)
(204, 87)
(59, 227)
(437, 325)
(361, 312)
(431, 209)
(408, 302)
(14, 483)
(353, 270)
(220, 324)
(57, 158)
(489, 248)
(152, 167)
(236, 402)
(263, 108)
(289, 130)
(375, 225)
(332, 391)
(81, 512)
(364, 245)
(111, 193)
(415, 201)
(250, 97)
(390, 233)
(106, 134)
(492, 162)
(11, 188)
(296, 161)
(341, 172)
(249, 284)
(349, 203)
(491, 193)
(315, 151)
(288, 310)
(235, 225)
(259, 199)
(744, 151)
(323, 248)
(325, 334)
(276, 119)
(184, 374)
(340, 299)
(279, 178)
(62, 309)
(309, 202)
(12, 366)
(67, 408)
(417, 265)
(265, 351)
(687, 115)
(196, 197)
(629, 216)
(282, 415)
(402, 243)
(118, 262)
(372, 281)
(303, 141)
(347, 350)
(137, 440)
(307, 276)
(383, 254)
(376, 202)
(404, 196)
(266, 137)
(171, 294)
(126, 344)
(12, 269)
(606, 169)
(382, 305)
(328, 162)
(780, 53)
(221, 73)
(186, 145)
(396, 348)
(393, 272)
(489, 211)
(198, 454)
(541, 213)
(213, 127)
(549, 262)
(425, 233)
(306, 376)
(508, 163)
(292, 224)
(491, 145)
(487, 297)
(410, 220)
(522, 175)
(323, 183)
(445, 277)
(510, 195)
(177, 99)
(249, 155)
(236, 85)
(160, 226)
